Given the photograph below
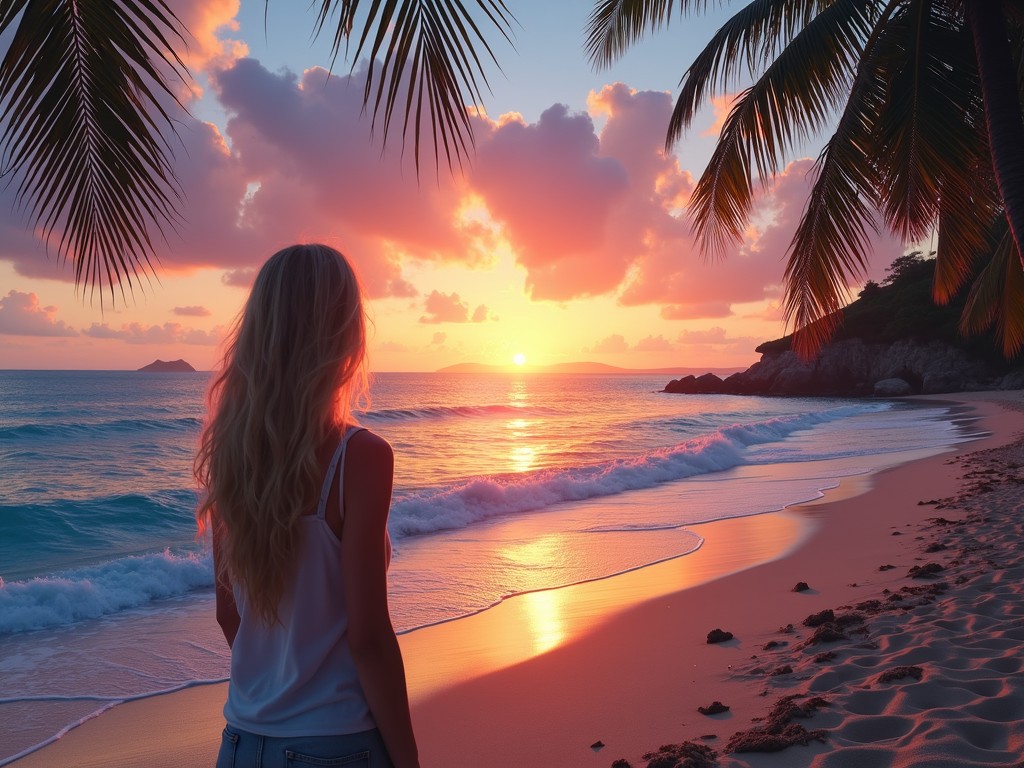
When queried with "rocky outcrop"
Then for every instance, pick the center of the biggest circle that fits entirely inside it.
(168, 366)
(856, 368)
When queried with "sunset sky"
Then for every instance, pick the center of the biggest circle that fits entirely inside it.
(565, 239)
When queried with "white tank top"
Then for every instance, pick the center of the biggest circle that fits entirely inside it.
(297, 677)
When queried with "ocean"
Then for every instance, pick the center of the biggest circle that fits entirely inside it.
(505, 483)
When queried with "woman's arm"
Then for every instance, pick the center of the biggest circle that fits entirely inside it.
(227, 611)
(369, 468)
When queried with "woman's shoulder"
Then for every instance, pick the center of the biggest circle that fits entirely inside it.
(369, 446)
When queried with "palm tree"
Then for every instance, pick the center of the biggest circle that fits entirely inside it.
(88, 106)
(925, 100)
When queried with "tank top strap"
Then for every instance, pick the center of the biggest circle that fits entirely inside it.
(337, 465)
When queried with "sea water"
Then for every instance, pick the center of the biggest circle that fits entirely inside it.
(503, 484)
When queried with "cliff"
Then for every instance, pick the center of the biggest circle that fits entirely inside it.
(893, 341)
(171, 366)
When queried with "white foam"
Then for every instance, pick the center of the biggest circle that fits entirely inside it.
(488, 497)
(100, 590)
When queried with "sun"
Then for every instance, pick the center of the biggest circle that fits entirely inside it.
(519, 358)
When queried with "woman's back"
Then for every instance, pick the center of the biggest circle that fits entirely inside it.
(297, 677)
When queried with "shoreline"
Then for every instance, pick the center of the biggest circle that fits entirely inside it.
(599, 648)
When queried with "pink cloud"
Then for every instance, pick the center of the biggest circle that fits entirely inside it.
(21, 315)
(449, 308)
(168, 333)
(586, 213)
(715, 335)
(548, 185)
(195, 311)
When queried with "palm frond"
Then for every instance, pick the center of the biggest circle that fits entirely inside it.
(793, 99)
(742, 45)
(614, 25)
(997, 297)
(928, 125)
(82, 93)
(831, 244)
(968, 206)
(431, 56)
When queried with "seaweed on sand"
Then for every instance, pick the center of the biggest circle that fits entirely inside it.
(778, 730)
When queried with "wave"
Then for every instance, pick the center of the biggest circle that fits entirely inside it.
(463, 411)
(488, 497)
(117, 426)
(101, 590)
(59, 523)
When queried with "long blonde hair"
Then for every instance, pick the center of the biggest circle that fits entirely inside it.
(292, 364)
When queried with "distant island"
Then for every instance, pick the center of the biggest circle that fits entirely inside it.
(168, 366)
(582, 367)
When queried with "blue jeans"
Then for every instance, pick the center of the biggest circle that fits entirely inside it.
(241, 749)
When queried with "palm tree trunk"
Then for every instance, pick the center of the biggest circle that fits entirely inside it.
(1001, 95)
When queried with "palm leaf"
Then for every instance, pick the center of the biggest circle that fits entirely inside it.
(740, 48)
(430, 57)
(614, 25)
(831, 244)
(997, 297)
(793, 99)
(82, 93)
(969, 204)
(925, 131)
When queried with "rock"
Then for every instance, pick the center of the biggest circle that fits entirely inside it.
(718, 636)
(714, 708)
(801, 586)
(819, 618)
(854, 367)
(925, 571)
(898, 673)
(173, 366)
(597, 746)
(892, 388)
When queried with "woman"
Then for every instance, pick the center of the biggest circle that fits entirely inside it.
(296, 499)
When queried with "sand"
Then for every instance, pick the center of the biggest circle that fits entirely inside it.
(613, 669)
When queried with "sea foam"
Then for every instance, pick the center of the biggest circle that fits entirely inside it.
(100, 590)
(488, 497)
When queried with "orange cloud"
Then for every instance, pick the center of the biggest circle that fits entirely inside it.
(721, 106)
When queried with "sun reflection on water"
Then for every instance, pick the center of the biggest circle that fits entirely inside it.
(547, 625)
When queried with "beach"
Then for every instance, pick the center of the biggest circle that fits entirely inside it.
(615, 668)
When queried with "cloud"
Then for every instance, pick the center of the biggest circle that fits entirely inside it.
(695, 310)
(168, 333)
(449, 308)
(715, 335)
(585, 213)
(610, 345)
(720, 106)
(554, 194)
(21, 315)
(654, 344)
(195, 311)
(439, 338)
(239, 278)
